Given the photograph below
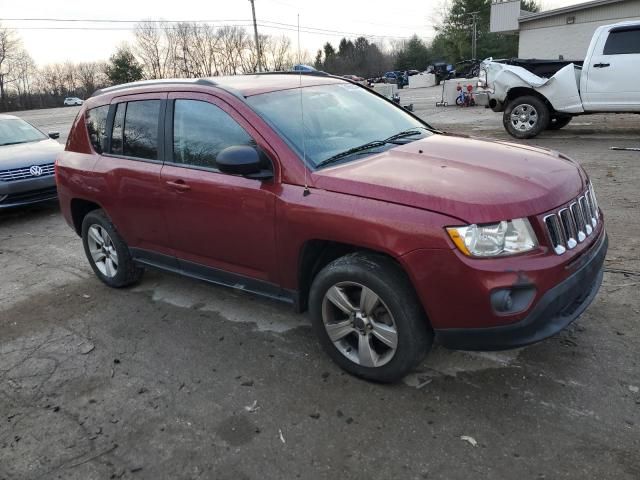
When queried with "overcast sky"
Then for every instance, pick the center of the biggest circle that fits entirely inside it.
(383, 20)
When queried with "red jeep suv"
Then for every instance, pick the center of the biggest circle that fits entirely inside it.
(316, 191)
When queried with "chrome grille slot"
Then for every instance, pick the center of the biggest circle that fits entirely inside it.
(555, 233)
(571, 225)
(24, 173)
(579, 221)
(568, 227)
(594, 202)
(586, 214)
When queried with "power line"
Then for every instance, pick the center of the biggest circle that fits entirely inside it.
(247, 25)
(324, 30)
(122, 29)
(105, 20)
(264, 23)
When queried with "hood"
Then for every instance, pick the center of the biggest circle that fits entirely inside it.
(27, 154)
(473, 180)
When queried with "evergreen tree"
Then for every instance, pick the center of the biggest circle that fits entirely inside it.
(454, 37)
(123, 67)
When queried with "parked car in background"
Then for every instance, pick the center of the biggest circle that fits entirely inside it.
(27, 158)
(466, 69)
(391, 77)
(607, 82)
(71, 101)
(303, 68)
(389, 232)
(355, 78)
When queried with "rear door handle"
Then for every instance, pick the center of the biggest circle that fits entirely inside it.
(178, 185)
(601, 65)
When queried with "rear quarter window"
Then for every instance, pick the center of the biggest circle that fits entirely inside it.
(623, 41)
(96, 120)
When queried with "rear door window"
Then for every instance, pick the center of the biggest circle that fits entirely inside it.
(140, 137)
(624, 40)
(97, 127)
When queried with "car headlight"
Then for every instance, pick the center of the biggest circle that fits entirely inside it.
(497, 239)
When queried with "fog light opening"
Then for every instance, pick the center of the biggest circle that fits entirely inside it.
(512, 300)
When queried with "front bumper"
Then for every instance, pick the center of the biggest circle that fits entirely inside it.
(555, 310)
(27, 192)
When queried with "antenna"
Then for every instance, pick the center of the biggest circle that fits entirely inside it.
(304, 146)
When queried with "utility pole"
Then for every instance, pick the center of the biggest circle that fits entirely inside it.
(255, 31)
(474, 39)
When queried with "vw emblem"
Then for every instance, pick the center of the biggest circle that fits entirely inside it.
(35, 171)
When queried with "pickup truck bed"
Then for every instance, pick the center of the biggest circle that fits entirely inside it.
(541, 68)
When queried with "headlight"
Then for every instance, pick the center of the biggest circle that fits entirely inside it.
(498, 239)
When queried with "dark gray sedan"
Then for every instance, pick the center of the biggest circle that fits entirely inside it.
(27, 158)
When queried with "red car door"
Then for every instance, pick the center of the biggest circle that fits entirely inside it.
(217, 221)
(130, 169)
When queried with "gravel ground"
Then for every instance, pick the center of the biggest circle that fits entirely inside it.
(178, 379)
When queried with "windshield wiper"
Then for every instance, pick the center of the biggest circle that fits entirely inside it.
(10, 143)
(405, 133)
(368, 146)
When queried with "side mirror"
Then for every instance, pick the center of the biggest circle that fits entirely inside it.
(54, 135)
(241, 160)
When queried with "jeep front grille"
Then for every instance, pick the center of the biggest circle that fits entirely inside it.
(571, 225)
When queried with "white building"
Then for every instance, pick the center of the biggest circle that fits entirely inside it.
(561, 33)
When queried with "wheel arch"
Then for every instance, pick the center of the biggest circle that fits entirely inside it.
(315, 254)
(518, 92)
(79, 209)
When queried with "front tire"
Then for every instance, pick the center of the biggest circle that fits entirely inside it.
(525, 117)
(107, 252)
(368, 318)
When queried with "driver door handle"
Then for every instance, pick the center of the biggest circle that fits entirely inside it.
(178, 185)
(601, 65)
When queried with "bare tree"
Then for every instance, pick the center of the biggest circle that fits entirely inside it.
(90, 76)
(24, 70)
(10, 46)
(233, 42)
(183, 40)
(277, 53)
(206, 51)
(153, 50)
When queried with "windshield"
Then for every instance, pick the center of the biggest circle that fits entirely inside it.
(337, 118)
(15, 130)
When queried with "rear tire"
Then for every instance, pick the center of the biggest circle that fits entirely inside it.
(557, 122)
(107, 252)
(525, 117)
(379, 330)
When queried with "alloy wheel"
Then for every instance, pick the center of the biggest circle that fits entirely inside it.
(102, 251)
(359, 324)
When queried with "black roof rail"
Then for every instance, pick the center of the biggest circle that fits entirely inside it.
(151, 83)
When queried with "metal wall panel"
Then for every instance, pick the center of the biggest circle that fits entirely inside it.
(604, 15)
(504, 16)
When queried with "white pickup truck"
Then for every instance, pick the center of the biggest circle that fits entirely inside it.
(607, 81)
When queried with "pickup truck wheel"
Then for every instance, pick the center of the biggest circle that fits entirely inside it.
(525, 117)
(368, 317)
(107, 253)
(558, 122)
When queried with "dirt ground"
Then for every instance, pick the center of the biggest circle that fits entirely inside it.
(177, 379)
